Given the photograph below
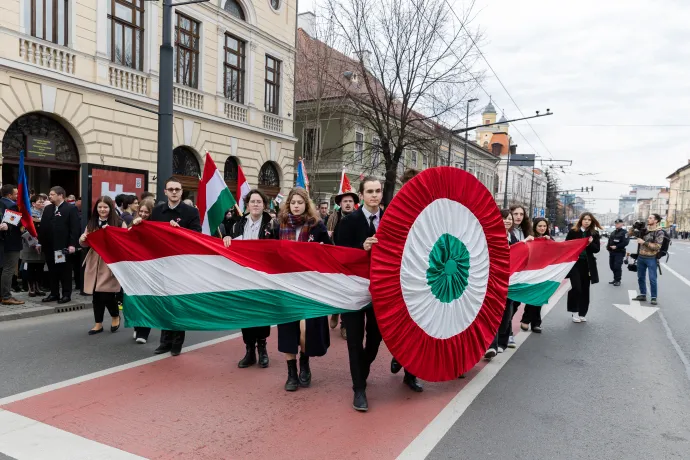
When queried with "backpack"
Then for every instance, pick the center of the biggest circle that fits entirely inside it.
(663, 252)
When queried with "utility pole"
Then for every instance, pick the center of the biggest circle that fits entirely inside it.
(531, 194)
(467, 123)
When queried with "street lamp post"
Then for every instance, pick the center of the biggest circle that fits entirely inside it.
(467, 124)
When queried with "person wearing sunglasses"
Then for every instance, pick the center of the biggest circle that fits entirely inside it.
(179, 215)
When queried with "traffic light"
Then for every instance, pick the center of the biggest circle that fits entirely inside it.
(582, 189)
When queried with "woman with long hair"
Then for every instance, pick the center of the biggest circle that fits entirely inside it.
(299, 221)
(584, 272)
(532, 314)
(146, 205)
(501, 340)
(98, 279)
(522, 230)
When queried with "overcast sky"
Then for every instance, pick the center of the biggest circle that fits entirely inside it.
(615, 73)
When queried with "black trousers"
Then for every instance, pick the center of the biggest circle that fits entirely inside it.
(616, 265)
(34, 271)
(501, 339)
(142, 332)
(101, 301)
(361, 356)
(172, 338)
(578, 297)
(532, 315)
(251, 334)
(78, 269)
(60, 274)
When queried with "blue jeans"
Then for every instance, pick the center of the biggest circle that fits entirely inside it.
(644, 263)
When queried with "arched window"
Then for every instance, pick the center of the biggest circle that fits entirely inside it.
(268, 175)
(185, 163)
(35, 127)
(230, 169)
(233, 7)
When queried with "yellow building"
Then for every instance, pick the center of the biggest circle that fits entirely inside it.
(65, 64)
(678, 213)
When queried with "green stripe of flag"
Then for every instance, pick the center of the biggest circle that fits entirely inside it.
(216, 213)
(533, 294)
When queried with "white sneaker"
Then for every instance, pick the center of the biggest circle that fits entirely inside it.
(511, 342)
(576, 319)
(583, 319)
(490, 354)
(141, 340)
(135, 335)
(500, 350)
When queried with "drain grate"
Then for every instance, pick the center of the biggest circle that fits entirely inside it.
(68, 308)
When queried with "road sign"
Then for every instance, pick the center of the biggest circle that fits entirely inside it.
(635, 309)
(522, 160)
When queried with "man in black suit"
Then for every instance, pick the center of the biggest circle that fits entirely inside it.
(357, 230)
(179, 215)
(59, 233)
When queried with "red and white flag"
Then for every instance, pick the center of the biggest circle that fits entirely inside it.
(345, 185)
(242, 188)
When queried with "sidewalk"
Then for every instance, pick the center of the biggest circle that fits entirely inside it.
(34, 306)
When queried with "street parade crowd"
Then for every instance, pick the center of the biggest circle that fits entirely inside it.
(354, 224)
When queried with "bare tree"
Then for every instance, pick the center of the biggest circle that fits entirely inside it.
(415, 66)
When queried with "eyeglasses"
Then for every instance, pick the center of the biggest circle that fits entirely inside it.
(174, 190)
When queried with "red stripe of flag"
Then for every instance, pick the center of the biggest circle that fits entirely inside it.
(541, 253)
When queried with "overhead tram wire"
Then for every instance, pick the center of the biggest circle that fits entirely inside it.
(475, 78)
(498, 78)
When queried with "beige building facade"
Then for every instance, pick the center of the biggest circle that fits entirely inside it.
(66, 64)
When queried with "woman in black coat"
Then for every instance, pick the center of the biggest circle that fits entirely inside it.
(298, 221)
(584, 272)
(255, 225)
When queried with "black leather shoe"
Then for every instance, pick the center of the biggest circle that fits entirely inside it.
(360, 403)
(162, 349)
(304, 371)
(95, 331)
(292, 382)
(413, 384)
(249, 357)
(176, 350)
(65, 299)
(395, 366)
(50, 298)
(263, 354)
(611, 282)
(115, 328)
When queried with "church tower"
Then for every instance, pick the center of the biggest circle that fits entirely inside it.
(483, 136)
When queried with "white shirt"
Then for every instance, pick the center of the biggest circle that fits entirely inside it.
(367, 214)
(251, 229)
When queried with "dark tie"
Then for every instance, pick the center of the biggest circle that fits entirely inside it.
(372, 228)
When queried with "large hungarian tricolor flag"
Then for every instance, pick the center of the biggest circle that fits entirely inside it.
(242, 188)
(214, 198)
(537, 268)
(176, 279)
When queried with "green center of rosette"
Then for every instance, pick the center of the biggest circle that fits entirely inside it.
(449, 268)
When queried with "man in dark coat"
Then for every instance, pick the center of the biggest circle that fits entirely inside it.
(618, 240)
(357, 230)
(12, 244)
(179, 215)
(58, 237)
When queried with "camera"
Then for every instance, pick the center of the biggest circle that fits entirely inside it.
(638, 229)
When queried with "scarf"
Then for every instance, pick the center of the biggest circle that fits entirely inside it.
(288, 230)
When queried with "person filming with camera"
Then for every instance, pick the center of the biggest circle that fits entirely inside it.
(649, 244)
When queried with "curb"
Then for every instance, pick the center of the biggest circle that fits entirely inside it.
(33, 312)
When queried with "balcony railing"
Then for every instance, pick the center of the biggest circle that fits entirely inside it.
(235, 112)
(187, 97)
(128, 80)
(273, 123)
(47, 55)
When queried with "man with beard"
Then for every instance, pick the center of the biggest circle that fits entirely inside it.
(357, 230)
(346, 201)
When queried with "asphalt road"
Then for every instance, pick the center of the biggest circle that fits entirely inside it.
(611, 388)
(49, 349)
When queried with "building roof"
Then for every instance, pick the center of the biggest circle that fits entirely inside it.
(503, 119)
(489, 108)
(679, 170)
(500, 138)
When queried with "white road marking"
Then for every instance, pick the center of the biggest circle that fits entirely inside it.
(112, 370)
(27, 439)
(684, 359)
(676, 274)
(425, 442)
(635, 309)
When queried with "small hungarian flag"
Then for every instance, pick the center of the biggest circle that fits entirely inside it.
(537, 268)
(215, 198)
(242, 188)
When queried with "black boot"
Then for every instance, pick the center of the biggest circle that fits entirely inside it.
(249, 358)
(292, 382)
(263, 354)
(304, 371)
